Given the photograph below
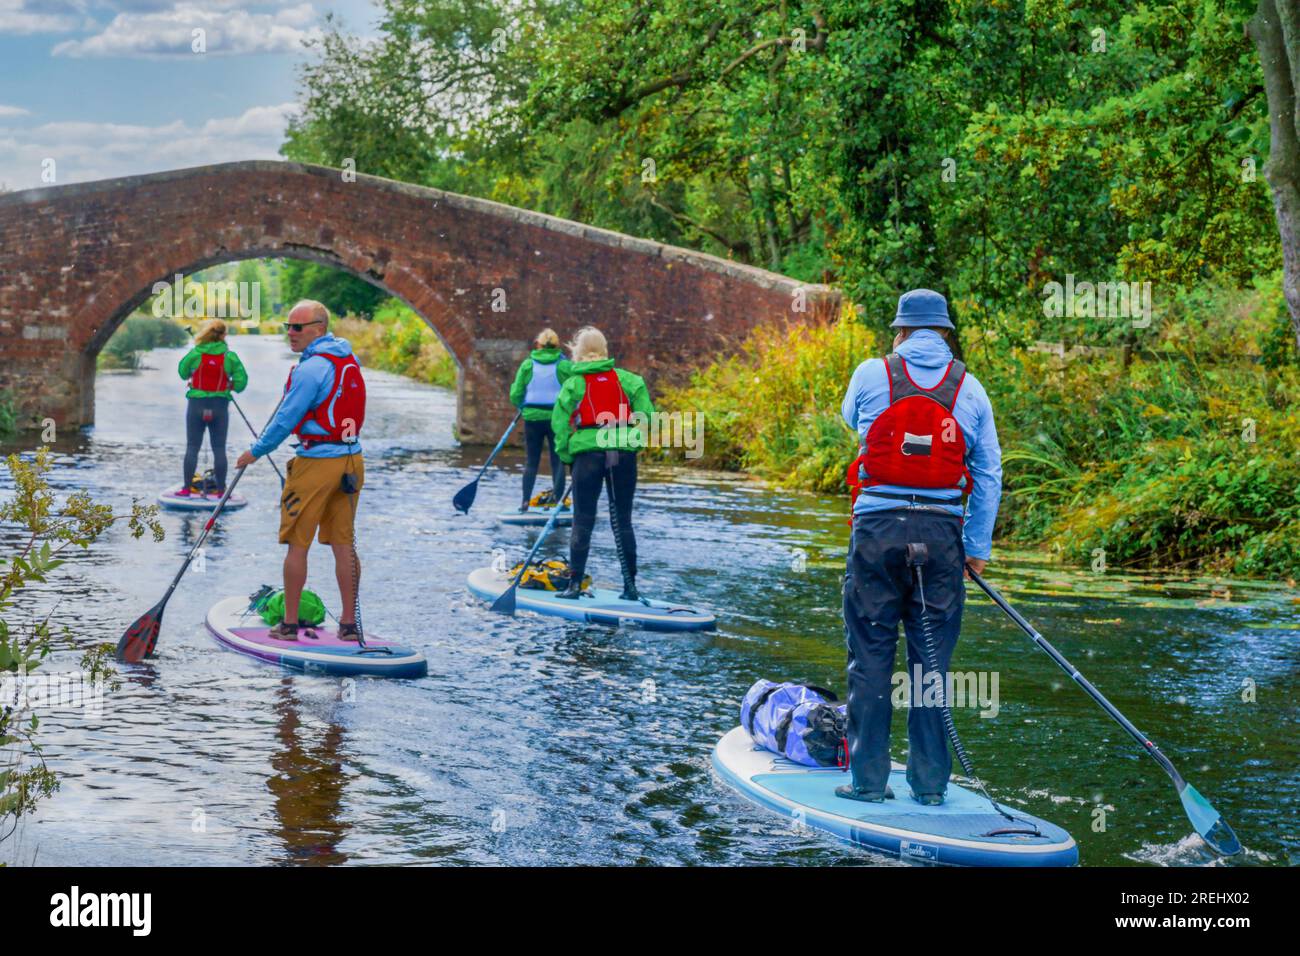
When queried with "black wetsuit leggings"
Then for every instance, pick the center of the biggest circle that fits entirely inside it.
(588, 479)
(535, 434)
(211, 415)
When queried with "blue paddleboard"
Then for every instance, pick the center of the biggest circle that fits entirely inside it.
(596, 606)
(170, 499)
(962, 831)
(536, 517)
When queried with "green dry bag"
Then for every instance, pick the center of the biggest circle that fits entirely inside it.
(270, 607)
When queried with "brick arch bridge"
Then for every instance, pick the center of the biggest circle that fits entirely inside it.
(76, 260)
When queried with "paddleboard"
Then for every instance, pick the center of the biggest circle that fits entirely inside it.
(962, 831)
(169, 499)
(596, 606)
(232, 623)
(536, 516)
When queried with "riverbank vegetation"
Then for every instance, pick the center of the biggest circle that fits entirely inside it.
(137, 335)
(397, 340)
(47, 529)
(1187, 454)
(1096, 188)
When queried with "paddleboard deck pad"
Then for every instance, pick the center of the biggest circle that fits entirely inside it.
(237, 627)
(962, 831)
(596, 606)
(536, 517)
(169, 499)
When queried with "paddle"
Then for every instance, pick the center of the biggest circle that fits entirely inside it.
(255, 435)
(505, 604)
(464, 499)
(1214, 830)
(140, 638)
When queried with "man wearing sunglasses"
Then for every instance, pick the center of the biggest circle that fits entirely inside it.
(324, 406)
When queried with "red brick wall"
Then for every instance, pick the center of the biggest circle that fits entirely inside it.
(75, 260)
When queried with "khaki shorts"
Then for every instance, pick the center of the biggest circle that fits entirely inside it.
(313, 498)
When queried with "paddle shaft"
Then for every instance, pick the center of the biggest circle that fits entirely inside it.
(501, 444)
(1078, 678)
(256, 435)
(546, 529)
(514, 585)
(207, 527)
(212, 518)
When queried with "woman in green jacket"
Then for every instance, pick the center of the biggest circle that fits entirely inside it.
(213, 372)
(598, 434)
(536, 384)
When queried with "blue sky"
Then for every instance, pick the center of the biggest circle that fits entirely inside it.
(112, 87)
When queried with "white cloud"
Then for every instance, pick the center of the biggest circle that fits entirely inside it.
(170, 32)
(88, 151)
(12, 111)
(25, 17)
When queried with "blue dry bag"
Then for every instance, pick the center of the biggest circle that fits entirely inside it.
(801, 722)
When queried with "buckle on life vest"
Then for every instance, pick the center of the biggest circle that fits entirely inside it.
(855, 482)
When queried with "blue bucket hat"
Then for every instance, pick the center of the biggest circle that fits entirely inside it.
(922, 308)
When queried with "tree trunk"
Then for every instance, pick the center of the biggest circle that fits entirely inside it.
(1275, 28)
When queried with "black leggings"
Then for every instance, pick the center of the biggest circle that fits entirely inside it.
(589, 469)
(535, 433)
(212, 415)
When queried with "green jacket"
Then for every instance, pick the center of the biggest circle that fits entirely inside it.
(234, 369)
(570, 441)
(525, 375)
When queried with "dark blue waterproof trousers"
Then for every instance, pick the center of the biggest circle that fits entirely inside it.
(879, 592)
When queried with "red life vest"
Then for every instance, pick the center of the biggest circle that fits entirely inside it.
(916, 442)
(603, 404)
(210, 374)
(343, 411)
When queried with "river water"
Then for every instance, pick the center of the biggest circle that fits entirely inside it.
(535, 741)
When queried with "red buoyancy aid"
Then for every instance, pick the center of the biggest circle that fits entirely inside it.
(916, 442)
(603, 404)
(343, 411)
(210, 374)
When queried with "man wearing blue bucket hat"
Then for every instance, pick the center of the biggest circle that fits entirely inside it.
(928, 440)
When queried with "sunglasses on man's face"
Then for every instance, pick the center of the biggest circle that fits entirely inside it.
(299, 326)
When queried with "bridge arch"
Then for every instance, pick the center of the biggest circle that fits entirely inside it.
(76, 260)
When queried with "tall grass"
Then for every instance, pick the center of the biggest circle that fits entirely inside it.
(1188, 457)
(397, 340)
(774, 409)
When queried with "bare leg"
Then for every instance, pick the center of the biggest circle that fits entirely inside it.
(295, 579)
(343, 570)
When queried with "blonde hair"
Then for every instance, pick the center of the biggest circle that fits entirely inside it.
(589, 345)
(213, 330)
(547, 339)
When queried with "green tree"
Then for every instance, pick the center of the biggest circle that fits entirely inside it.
(341, 292)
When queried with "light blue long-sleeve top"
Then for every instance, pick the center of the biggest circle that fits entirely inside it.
(927, 357)
(312, 379)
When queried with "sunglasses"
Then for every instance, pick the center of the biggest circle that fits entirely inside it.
(299, 326)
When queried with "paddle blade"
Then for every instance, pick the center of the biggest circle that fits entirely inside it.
(465, 497)
(505, 604)
(139, 640)
(1213, 829)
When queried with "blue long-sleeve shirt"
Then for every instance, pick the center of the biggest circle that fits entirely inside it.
(927, 357)
(312, 379)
